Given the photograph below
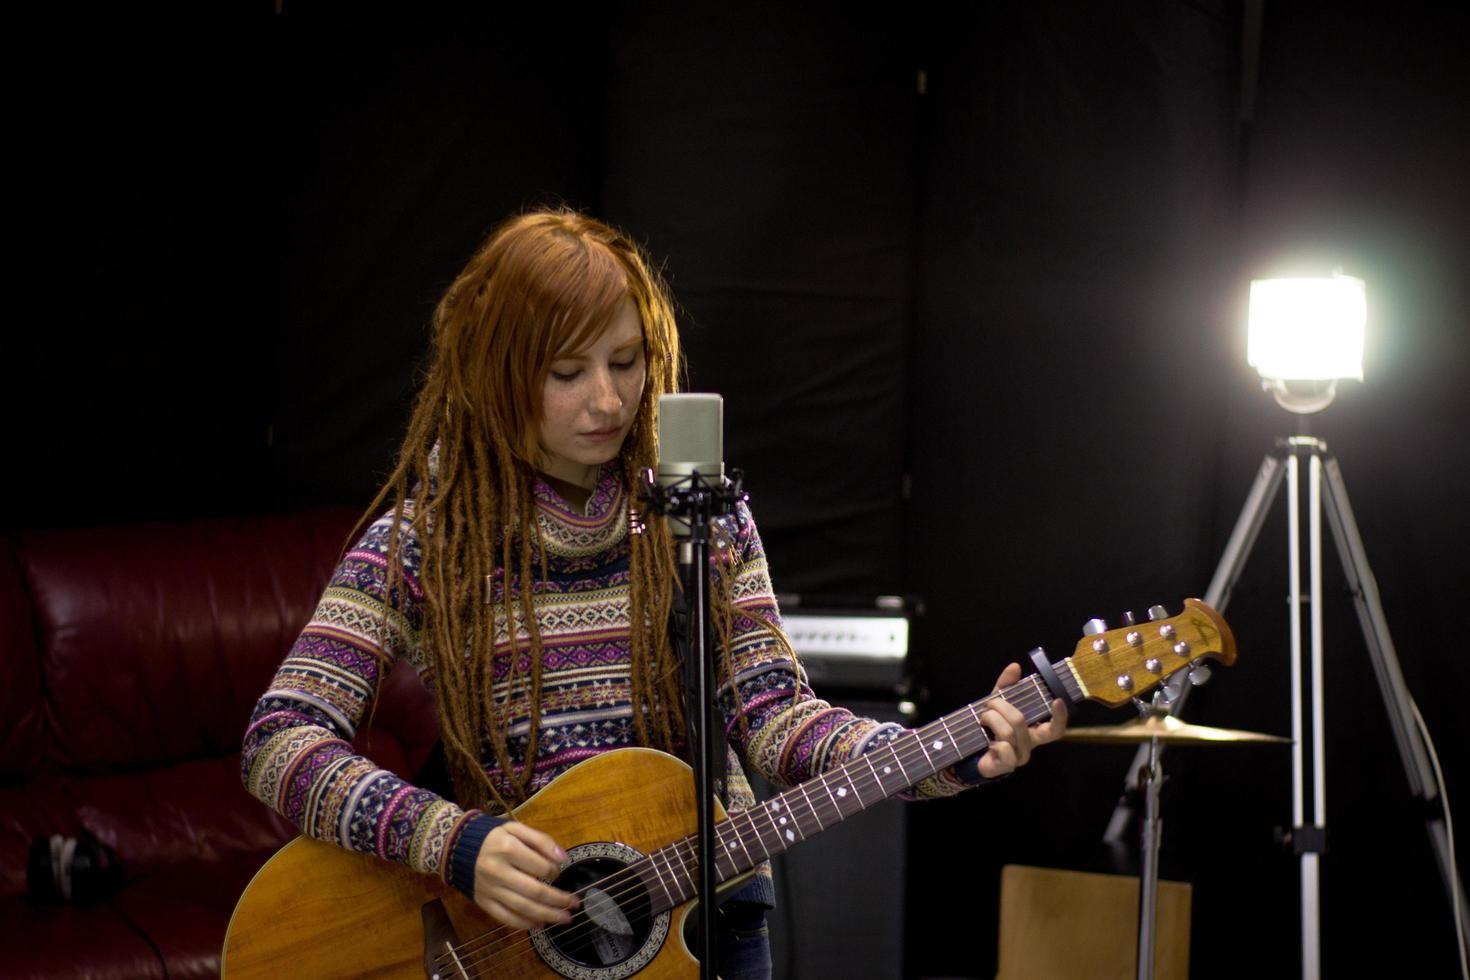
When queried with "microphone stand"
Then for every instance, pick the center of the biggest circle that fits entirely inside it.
(691, 504)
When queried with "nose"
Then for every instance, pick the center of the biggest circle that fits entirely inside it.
(604, 398)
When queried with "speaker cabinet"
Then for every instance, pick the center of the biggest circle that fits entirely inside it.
(840, 894)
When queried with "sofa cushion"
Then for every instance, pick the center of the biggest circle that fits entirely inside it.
(49, 942)
(186, 913)
(22, 709)
(195, 814)
(157, 639)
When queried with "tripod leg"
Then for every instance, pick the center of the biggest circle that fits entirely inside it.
(1243, 537)
(1391, 685)
(1227, 573)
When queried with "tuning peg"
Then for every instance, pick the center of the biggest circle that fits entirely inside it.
(1157, 613)
(1199, 673)
(1129, 619)
(1093, 627)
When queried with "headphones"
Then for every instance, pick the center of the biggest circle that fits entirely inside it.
(72, 870)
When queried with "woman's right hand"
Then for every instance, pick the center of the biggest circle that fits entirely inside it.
(511, 872)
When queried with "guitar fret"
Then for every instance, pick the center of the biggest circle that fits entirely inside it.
(725, 850)
(848, 785)
(686, 884)
(773, 811)
(883, 791)
(653, 863)
(878, 783)
(818, 819)
(836, 805)
(893, 751)
(919, 738)
(1044, 711)
(980, 730)
(749, 816)
(954, 744)
(739, 840)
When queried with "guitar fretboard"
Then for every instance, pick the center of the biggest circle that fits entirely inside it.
(748, 837)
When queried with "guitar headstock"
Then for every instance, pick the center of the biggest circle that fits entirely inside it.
(1116, 665)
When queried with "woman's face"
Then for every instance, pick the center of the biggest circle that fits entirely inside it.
(590, 400)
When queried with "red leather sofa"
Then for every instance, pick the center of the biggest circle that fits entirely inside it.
(130, 658)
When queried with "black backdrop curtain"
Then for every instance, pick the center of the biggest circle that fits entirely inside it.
(971, 281)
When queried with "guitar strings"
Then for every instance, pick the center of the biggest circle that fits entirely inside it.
(684, 849)
(478, 957)
(1025, 695)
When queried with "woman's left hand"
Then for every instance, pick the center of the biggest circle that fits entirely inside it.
(1012, 739)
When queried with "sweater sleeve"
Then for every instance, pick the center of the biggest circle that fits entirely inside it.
(297, 755)
(788, 734)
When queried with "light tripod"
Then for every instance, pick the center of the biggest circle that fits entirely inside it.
(1309, 791)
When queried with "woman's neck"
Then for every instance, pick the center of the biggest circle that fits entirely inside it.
(573, 493)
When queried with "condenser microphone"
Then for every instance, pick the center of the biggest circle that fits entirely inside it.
(691, 441)
(691, 438)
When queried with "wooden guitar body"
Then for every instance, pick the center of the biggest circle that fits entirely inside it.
(318, 910)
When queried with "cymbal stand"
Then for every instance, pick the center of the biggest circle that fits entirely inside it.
(1150, 779)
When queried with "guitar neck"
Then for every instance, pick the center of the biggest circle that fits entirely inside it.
(769, 828)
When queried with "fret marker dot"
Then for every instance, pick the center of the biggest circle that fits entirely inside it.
(731, 845)
(938, 744)
(790, 836)
(841, 791)
(775, 805)
(887, 770)
(782, 821)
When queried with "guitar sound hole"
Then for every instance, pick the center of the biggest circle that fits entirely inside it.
(616, 918)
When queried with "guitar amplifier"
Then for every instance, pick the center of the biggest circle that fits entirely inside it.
(853, 645)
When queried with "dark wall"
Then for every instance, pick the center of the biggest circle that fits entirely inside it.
(1087, 428)
(995, 255)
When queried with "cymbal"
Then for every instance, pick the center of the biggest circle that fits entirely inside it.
(1166, 728)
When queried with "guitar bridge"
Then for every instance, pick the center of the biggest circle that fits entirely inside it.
(440, 940)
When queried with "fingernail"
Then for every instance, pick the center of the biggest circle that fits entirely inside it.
(560, 854)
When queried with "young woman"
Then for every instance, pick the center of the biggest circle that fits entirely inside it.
(506, 572)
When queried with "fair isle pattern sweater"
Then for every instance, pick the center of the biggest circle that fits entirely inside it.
(298, 759)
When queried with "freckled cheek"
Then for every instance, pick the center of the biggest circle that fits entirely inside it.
(557, 410)
(632, 391)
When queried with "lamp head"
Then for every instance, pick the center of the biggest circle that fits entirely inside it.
(1305, 334)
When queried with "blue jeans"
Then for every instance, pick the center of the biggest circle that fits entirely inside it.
(745, 945)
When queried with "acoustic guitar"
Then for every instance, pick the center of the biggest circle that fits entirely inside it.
(627, 821)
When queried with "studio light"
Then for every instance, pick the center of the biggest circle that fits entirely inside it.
(1304, 335)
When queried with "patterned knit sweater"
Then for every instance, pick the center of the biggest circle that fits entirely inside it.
(297, 757)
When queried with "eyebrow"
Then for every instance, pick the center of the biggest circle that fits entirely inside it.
(636, 342)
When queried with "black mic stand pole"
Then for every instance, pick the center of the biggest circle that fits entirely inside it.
(694, 502)
(694, 560)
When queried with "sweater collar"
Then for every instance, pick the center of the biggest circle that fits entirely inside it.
(602, 523)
